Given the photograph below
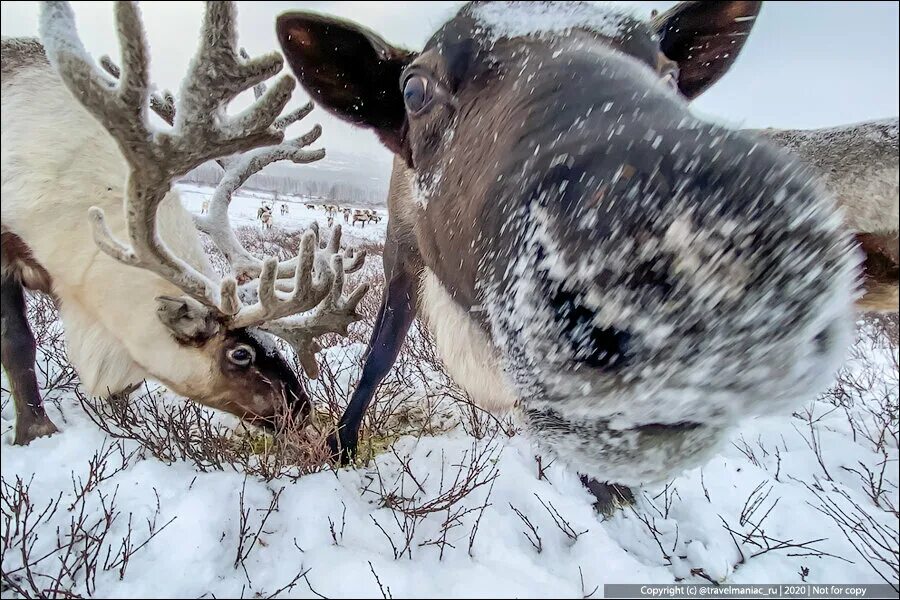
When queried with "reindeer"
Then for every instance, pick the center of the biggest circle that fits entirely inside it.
(859, 164)
(204, 208)
(284, 209)
(346, 212)
(105, 234)
(360, 216)
(631, 278)
(267, 218)
(310, 206)
(330, 221)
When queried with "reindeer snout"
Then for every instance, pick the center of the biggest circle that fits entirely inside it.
(659, 292)
(590, 345)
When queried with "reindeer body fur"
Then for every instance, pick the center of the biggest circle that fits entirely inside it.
(464, 347)
(52, 175)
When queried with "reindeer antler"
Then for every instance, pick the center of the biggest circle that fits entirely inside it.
(202, 131)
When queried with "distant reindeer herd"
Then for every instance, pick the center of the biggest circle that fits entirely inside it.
(265, 213)
(351, 215)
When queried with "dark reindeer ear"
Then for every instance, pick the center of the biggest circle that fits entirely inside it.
(704, 38)
(348, 70)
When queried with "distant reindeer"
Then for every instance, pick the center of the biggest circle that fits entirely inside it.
(91, 218)
(284, 209)
(347, 213)
(330, 220)
(310, 206)
(267, 218)
(360, 216)
(204, 208)
(633, 279)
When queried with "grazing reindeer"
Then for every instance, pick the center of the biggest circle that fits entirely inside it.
(310, 206)
(204, 208)
(635, 279)
(360, 217)
(108, 238)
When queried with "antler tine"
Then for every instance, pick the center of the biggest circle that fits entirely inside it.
(308, 291)
(260, 88)
(356, 259)
(217, 223)
(162, 104)
(292, 117)
(202, 130)
(205, 90)
(333, 314)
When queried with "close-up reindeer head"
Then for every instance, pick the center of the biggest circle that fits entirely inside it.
(637, 278)
(153, 306)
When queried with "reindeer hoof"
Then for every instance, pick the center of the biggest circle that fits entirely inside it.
(610, 496)
(27, 430)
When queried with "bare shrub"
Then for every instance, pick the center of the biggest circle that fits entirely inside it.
(876, 543)
(531, 530)
(173, 431)
(407, 495)
(84, 545)
(248, 537)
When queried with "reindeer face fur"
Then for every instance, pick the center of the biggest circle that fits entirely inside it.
(643, 279)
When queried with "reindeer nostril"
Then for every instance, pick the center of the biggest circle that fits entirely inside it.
(825, 340)
(598, 347)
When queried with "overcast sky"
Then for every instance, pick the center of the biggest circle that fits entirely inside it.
(806, 64)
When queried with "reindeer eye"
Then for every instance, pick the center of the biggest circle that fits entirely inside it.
(416, 94)
(241, 355)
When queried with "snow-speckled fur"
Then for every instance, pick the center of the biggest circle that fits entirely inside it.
(50, 179)
(859, 163)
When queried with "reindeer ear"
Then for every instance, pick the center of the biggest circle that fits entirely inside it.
(350, 71)
(704, 38)
(189, 321)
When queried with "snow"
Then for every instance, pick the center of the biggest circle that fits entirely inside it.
(335, 525)
(245, 203)
(545, 19)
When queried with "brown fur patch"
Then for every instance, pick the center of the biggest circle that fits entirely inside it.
(882, 271)
(19, 263)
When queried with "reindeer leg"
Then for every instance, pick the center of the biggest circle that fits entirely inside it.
(18, 357)
(396, 314)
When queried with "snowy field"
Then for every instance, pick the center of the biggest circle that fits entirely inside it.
(245, 203)
(453, 504)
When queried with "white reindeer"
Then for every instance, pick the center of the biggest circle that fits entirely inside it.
(89, 216)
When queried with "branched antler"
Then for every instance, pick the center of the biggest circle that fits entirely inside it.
(162, 104)
(203, 131)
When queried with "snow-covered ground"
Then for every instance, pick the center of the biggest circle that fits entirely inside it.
(245, 204)
(806, 497)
